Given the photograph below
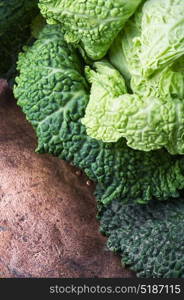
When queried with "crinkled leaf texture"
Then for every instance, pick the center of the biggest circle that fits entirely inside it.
(149, 120)
(128, 53)
(53, 94)
(93, 23)
(150, 55)
(166, 83)
(103, 111)
(151, 40)
(162, 34)
(149, 238)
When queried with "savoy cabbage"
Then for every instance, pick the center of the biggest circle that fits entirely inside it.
(53, 93)
(92, 23)
(86, 112)
(149, 53)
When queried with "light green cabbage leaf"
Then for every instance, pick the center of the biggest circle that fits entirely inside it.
(148, 122)
(132, 51)
(162, 34)
(124, 52)
(92, 23)
(169, 82)
(101, 112)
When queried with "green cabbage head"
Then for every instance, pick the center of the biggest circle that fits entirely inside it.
(149, 54)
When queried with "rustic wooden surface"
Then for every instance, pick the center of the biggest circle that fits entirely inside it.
(47, 211)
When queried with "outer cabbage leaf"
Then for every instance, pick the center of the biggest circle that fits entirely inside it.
(53, 94)
(93, 23)
(162, 34)
(149, 238)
